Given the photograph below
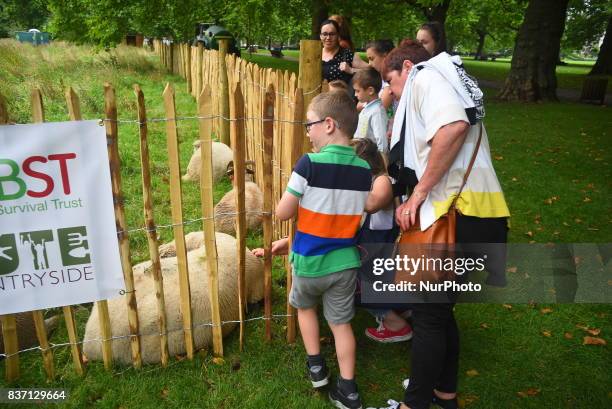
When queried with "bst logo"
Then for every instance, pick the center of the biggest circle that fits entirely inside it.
(19, 185)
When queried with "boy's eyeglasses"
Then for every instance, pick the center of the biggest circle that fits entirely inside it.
(309, 125)
(325, 35)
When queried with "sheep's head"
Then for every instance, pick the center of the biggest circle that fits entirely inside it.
(249, 167)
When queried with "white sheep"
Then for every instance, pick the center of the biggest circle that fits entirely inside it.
(147, 304)
(225, 210)
(221, 156)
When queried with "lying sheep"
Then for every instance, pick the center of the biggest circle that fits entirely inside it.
(147, 304)
(26, 331)
(225, 210)
(193, 241)
(221, 156)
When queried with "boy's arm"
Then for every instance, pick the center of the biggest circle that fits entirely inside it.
(287, 207)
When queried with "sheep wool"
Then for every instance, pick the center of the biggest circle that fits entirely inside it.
(147, 304)
(221, 156)
(225, 210)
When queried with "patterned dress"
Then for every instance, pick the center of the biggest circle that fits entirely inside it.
(331, 68)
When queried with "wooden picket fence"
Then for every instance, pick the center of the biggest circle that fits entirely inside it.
(259, 113)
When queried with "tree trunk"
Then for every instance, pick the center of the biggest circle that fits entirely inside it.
(603, 65)
(319, 14)
(532, 74)
(481, 40)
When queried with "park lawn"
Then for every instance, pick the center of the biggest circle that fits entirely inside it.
(552, 150)
(570, 76)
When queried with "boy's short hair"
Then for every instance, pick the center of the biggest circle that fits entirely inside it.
(368, 77)
(339, 106)
(338, 85)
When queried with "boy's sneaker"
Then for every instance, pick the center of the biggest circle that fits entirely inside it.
(319, 375)
(384, 334)
(343, 401)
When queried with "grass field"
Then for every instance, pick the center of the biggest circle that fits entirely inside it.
(519, 356)
(569, 76)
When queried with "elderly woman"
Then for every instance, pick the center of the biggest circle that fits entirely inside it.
(338, 62)
(435, 135)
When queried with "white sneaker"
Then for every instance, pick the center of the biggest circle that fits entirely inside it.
(392, 405)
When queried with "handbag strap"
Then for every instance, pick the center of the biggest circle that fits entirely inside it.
(469, 169)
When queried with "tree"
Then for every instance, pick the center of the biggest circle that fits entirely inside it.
(532, 74)
(22, 15)
(603, 65)
(585, 25)
(471, 23)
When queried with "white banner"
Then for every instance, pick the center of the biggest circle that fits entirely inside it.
(58, 240)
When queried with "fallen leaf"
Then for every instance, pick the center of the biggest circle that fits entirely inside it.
(218, 360)
(594, 331)
(568, 335)
(511, 270)
(164, 393)
(587, 199)
(514, 179)
(472, 372)
(578, 221)
(466, 400)
(529, 392)
(546, 310)
(507, 306)
(566, 224)
(593, 341)
(529, 233)
(499, 157)
(484, 325)
(546, 333)
(180, 357)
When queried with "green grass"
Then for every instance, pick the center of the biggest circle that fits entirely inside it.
(539, 151)
(569, 76)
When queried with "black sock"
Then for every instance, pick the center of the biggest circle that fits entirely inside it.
(347, 386)
(315, 360)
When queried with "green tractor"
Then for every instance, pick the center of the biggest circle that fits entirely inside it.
(208, 34)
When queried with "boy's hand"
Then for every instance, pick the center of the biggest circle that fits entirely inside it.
(279, 248)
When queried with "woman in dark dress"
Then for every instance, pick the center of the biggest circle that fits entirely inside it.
(338, 63)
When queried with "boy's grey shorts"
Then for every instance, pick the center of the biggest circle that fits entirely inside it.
(336, 289)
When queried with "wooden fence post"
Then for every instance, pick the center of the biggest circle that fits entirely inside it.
(112, 136)
(309, 77)
(294, 153)
(176, 201)
(4, 117)
(11, 346)
(149, 217)
(205, 110)
(38, 116)
(268, 135)
(239, 147)
(224, 131)
(9, 326)
(74, 111)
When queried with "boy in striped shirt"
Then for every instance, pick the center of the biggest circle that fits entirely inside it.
(327, 191)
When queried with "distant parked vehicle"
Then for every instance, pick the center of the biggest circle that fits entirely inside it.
(32, 36)
(208, 35)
